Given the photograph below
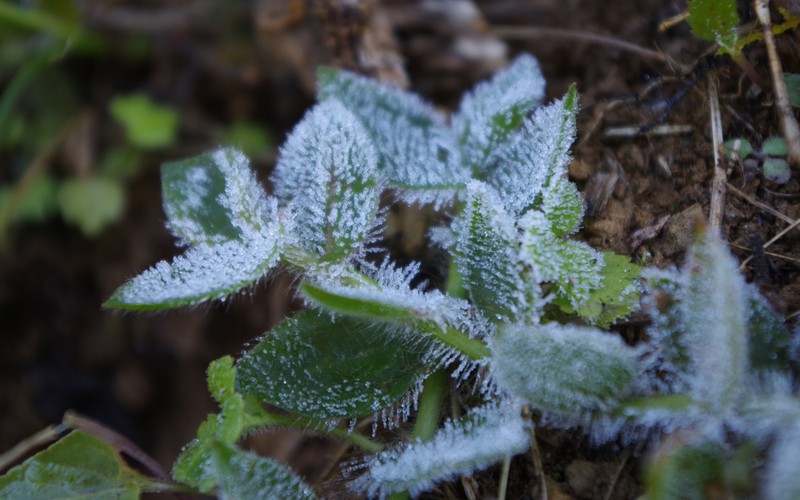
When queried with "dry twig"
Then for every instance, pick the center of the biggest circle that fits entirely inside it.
(720, 177)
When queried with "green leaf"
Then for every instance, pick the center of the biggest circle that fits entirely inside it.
(486, 255)
(714, 319)
(737, 149)
(91, 203)
(354, 301)
(793, 88)
(482, 438)
(243, 475)
(147, 125)
(326, 172)
(214, 198)
(214, 202)
(535, 155)
(774, 146)
(202, 273)
(715, 21)
(323, 367)
(563, 368)
(615, 297)
(78, 466)
(251, 138)
(562, 205)
(769, 340)
(490, 114)
(572, 266)
(686, 472)
(418, 154)
(777, 170)
(38, 203)
(238, 415)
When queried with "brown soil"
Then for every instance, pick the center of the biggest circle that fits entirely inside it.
(144, 374)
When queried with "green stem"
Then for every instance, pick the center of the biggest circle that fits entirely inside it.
(268, 419)
(430, 405)
(473, 348)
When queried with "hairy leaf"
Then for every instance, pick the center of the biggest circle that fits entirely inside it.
(244, 475)
(213, 198)
(202, 273)
(326, 171)
(534, 156)
(782, 478)
(715, 21)
(563, 368)
(486, 255)
(714, 316)
(418, 153)
(490, 114)
(572, 266)
(322, 367)
(615, 297)
(78, 466)
(482, 438)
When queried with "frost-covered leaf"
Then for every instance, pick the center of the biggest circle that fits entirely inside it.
(418, 153)
(388, 295)
(323, 367)
(686, 472)
(327, 171)
(491, 113)
(770, 341)
(562, 205)
(535, 154)
(563, 368)
(572, 266)
(715, 21)
(482, 438)
(202, 273)
(615, 297)
(213, 198)
(76, 467)
(486, 255)
(782, 478)
(244, 475)
(714, 316)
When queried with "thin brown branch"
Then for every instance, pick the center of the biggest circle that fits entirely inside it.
(758, 204)
(717, 208)
(539, 32)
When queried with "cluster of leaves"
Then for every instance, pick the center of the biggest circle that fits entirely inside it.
(771, 157)
(370, 342)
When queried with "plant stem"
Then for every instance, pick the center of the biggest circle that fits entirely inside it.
(430, 405)
(473, 348)
(304, 423)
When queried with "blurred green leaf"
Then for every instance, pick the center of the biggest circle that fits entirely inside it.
(686, 472)
(737, 148)
(78, 466)
(91, 203)
(147, 125)
(564, 368)
(715, 21)
(38, 203)
(793, 88)
(774, 146)
(251, 138)
(243, 475)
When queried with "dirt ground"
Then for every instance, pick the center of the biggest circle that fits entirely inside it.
(144, 374)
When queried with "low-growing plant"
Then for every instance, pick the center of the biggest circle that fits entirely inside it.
(520, 319)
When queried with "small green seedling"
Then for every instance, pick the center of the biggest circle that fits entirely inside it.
(519, 322)
(771, 157)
